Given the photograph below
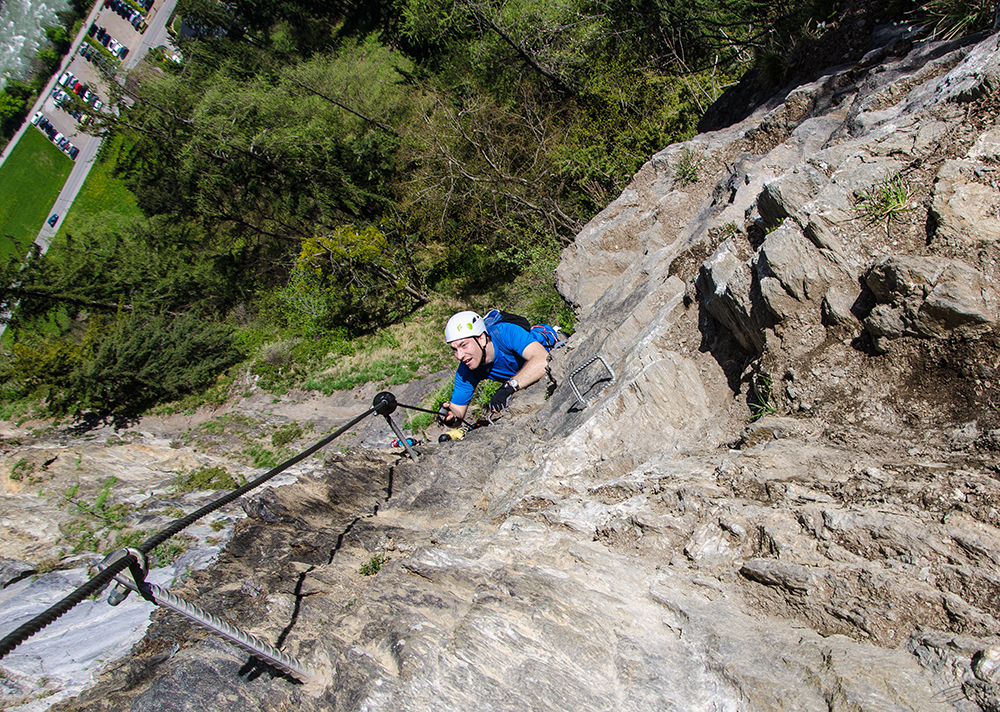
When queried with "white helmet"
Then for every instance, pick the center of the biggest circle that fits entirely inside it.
(463, 325)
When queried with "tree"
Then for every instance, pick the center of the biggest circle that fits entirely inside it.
(10, 106)
(142, 359)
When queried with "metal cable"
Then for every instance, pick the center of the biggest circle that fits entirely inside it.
(181, 524)
(93, 587)
(432, 412)
(99, 582)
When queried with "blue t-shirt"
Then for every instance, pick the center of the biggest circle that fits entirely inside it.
(509, 342)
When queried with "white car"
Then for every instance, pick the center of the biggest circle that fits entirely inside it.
(36, 118)
(64, 78)
(57, 138)
(113, 47)
(98, 104)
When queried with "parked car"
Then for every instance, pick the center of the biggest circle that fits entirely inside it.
(92, 30)
(98, 104)
(113, 46)
(52, 220)
(105, 39)
(87, 96)
(42, 123)
(64, 77)
(123, 52)
(74, 152)
(36, 118)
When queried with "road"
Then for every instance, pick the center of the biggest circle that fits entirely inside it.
(89, 145)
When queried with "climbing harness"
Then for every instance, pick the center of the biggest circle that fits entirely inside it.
(134, 559)
(577, 370)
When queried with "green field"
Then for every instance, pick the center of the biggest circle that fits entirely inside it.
(30, 181)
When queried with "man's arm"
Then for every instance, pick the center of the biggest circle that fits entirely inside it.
(536, 358)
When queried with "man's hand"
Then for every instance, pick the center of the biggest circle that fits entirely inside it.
(451, 414)
(501, 399)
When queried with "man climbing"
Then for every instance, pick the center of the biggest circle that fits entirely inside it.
(497, 349)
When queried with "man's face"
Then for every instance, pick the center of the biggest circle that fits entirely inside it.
(468, 351)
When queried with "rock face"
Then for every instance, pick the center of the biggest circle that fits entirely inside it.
(776, 490)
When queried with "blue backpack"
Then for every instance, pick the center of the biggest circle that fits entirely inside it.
(544, 334)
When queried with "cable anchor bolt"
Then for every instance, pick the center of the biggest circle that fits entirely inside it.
(139, 568)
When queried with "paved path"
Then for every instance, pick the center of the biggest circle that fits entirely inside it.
(89, 145)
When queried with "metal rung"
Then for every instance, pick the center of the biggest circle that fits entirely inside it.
(250, 643)
(589, 361)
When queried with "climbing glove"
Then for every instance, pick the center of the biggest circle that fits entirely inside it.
(501, 399)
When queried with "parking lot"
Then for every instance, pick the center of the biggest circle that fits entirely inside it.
(60, 116)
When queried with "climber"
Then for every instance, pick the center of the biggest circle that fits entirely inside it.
(501, 347)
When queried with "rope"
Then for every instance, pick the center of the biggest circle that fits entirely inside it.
(99, 582)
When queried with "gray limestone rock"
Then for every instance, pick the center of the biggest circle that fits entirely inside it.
(966, 202)
(924, 297)
(763, 510)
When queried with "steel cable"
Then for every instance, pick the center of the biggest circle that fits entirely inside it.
(100, 581)
(181, 524)
(91, 588)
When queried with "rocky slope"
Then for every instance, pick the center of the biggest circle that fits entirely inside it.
(783, 495)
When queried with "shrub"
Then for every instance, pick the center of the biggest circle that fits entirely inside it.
(142, 360)
(207, 478)
(286, 434)
(374, 564)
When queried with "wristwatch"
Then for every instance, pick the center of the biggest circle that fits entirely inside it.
(514, 384)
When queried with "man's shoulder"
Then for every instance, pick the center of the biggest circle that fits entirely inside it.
(508, 333)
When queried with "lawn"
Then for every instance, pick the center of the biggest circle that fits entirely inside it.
(30, 181)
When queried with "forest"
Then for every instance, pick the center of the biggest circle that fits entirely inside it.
(320, 179)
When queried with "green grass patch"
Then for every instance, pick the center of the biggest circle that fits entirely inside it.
(30, 181)
(102, 193)
(389, 372)
(207, 478)
(418, 421)
(374, 564)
